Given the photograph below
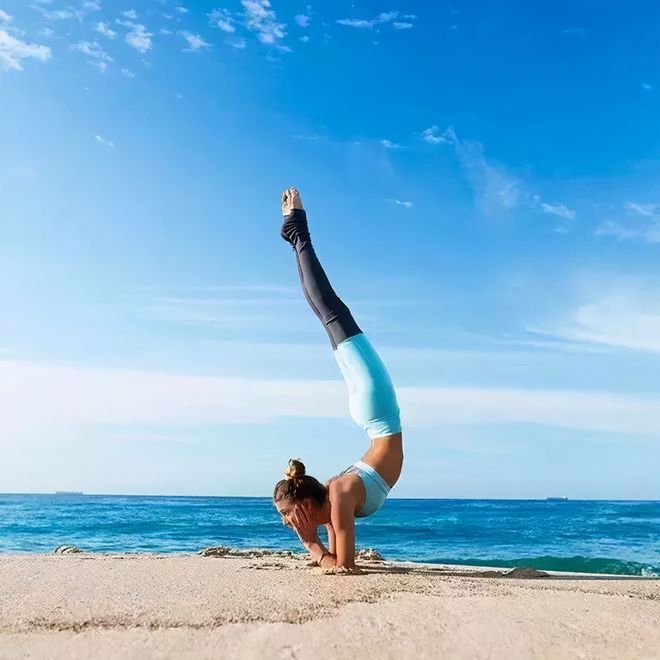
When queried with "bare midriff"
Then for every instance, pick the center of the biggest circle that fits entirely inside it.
(386, 457)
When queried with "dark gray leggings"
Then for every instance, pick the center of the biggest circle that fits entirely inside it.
(326, 304)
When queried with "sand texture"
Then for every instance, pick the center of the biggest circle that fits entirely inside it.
(277, 606)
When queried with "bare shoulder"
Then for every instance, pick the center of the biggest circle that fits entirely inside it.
(345, 486)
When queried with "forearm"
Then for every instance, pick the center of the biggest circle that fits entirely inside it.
(320, 554)
(331, 539)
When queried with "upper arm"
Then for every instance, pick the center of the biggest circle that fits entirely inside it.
(343, 523)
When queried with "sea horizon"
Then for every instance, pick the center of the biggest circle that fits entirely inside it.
(589, 536)
(390, 497)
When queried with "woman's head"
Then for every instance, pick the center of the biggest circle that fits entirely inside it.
(297, 488)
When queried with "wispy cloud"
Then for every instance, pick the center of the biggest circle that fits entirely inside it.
(647, 87)
(70, 12)
(574, 32)
(102, 140)
(4, 17)
(495, 189)
(130, 14)
(558, 209)
(383, 17)
(98, 57)
(262, 20)
(433, 135)
(388, 144)
(642, 222)
(646, 210)
(223, 20)
(399, 202)
(195, 43)
(13, 51)
(628, 316)
(86, 399)
(237, 43)
(104, 29)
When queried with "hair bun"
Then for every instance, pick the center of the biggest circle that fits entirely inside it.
(295, 470)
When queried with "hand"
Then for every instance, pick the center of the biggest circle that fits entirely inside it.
(290, 200)
(305, 527)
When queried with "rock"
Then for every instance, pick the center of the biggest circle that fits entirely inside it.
(219, 551)
(525, 573)
(369, 555)
(66, 550)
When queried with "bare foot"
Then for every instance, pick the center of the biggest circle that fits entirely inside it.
(291, 200)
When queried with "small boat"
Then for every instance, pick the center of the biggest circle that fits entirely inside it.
(556, 499)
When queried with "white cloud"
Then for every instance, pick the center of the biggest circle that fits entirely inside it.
(383, 17)
(181, 10)
(642, 223)
(647, 210)
(432, 135)
(37, 397)
(262, 20)
(102, 140)
(388, 144)
(130, 14)
(139, 38)
(356, 22)
(626, 317)
(69, 12)
(60, 14)
(495, 189)
(46, 32)
(647, 87)
(128, 73)
(98, 57)
(222, 19)
(302, 19)
(399, 202)
(237, 43)
(304, 38)
(104, 29)
(4, 16)
(13, 51)
(195, 43)
(558, 209)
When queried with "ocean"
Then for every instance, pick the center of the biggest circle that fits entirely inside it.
(621, 537)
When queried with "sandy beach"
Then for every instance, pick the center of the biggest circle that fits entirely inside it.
(272, 606)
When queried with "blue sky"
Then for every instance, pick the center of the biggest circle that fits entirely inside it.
(482, 186)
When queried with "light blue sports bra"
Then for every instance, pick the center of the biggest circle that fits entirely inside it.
(375, 486)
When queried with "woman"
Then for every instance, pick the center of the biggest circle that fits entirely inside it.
(360, 490)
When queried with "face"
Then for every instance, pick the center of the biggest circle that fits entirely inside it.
(285, 509)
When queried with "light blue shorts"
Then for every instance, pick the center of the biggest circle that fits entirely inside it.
(371, 397)
(376, 488)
